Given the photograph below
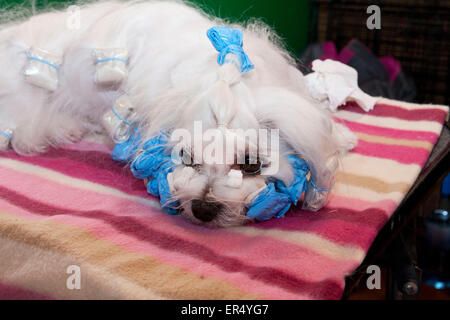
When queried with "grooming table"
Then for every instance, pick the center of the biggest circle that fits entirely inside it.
(76, 207)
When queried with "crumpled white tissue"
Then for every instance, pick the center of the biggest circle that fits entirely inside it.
(336, 83)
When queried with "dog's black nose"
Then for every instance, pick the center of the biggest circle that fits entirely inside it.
(204, 210)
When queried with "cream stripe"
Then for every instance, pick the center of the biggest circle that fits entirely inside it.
(308, 240)
(411, 106)
(387, 122)
(387, 170)
(392, 141)
(60, 178)
(374, 184)
(361, 193)
(44, 271)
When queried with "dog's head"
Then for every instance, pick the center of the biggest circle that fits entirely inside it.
(231, 140)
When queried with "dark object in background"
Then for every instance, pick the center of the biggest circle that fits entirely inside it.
(437, 241)
(415, 32)
(377, 77)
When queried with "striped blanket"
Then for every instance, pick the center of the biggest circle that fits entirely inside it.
(75, 224)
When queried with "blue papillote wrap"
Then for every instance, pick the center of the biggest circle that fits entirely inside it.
(226, 41)
(276, 199)
(152, 163)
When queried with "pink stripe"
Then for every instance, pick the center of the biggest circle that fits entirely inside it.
(365, 213)
(88, 146)
(340, 231)
(106, 172)
(71, 198)
(11, 292)
(297, 218)
(385, 110)
(402, 154)
(390, 133)
(335, 201)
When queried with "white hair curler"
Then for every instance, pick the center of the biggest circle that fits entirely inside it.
(111, 66)
(119, 121)
(5, 138)
(42, 68)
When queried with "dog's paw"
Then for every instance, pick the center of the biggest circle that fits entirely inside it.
(66, 130)
(345, 139)
(75, 134)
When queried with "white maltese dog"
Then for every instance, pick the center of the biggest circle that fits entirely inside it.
(150, 70)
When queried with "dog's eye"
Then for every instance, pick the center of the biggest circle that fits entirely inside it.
(250, 166)
(186, 158)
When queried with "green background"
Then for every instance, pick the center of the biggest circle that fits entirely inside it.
(290, 18)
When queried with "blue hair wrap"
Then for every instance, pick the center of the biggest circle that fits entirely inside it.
(229, 40)
(151, 163)
(276, 199)
(44, 61)
(125, 61)
(124, 152)
(5, 134)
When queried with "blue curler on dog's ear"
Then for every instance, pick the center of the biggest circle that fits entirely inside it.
(166, 201)
(300, 182)
(276, 199)
(268, 204)
(228, 40)
(151, 163)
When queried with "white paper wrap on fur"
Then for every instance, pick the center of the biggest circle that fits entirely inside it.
(181, 180)
(234, 179)
(111, 66)
(41, 68)
(5, 138)
(336, 83)
(118, 120)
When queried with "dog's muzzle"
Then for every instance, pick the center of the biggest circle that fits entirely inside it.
(204, 210)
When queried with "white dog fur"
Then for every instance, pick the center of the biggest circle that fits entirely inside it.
(172, 80)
